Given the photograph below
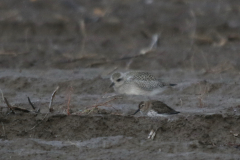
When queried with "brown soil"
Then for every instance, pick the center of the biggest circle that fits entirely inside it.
(76, 45)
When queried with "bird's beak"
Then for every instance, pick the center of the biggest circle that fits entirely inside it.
(111, 85)
(136, 112)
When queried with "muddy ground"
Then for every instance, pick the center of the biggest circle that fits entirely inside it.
(77, 45)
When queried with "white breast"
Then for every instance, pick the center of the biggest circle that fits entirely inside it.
(152, 113)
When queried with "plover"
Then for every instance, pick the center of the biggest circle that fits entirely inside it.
(155, 108)
(137, 83)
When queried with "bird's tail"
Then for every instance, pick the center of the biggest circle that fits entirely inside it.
(175, 112)
(168, 84)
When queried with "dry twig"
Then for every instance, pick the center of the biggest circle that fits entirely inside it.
(9, 106)
(13, 109)
(152, 44)
(100, 104)
(31, 103)
(144, 51)
(104, 103)
(69, 100)
(38, 123)
(21, 109)
(53, 95)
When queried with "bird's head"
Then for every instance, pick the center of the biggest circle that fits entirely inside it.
(117, 79)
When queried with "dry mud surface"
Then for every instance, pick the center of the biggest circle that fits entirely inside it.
(76, 45)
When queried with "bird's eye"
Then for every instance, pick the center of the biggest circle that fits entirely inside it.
(142, 105)
(118, 80)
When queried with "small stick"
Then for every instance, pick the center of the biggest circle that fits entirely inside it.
(53, 95)
(20, 109)
(153, 43)
(31, 103)
(38, 123)
(69, 100)
(15, 108)
(101, 104)
(3, 129)
(9, 106)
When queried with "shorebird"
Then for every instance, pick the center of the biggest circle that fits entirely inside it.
(155, 108)
(137, 83)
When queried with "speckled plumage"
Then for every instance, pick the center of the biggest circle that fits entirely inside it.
(137, 83)
(155, 108)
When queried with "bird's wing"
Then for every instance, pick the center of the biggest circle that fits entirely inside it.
(145, 80)
(139, 75)
(161, 107)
